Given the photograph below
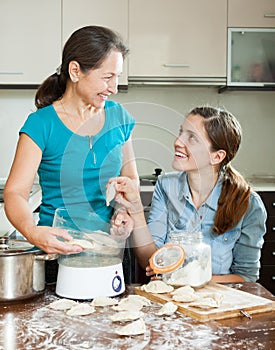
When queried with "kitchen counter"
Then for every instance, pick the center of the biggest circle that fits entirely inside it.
(262, 183)
(31, 324)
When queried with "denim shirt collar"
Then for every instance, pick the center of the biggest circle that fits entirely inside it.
(212, 200)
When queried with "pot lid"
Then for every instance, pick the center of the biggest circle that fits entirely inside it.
(14, 246)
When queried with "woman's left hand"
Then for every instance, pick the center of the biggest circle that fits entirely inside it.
(122, 224)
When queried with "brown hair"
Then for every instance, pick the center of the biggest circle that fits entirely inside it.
(225, 133)
(89, 46)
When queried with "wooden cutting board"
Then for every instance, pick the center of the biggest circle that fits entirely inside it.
(234, 301)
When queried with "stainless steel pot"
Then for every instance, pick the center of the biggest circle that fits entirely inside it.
(22, 269)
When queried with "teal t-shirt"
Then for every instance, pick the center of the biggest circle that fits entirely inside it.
(74, 169)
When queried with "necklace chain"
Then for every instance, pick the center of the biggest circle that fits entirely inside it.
(89, 137)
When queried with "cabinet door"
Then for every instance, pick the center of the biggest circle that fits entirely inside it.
(251, 53)
(177, 38)
(109, 13)
(269, 201)
(30, 40)
(251, 13)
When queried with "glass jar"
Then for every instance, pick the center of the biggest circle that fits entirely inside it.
(196, 269)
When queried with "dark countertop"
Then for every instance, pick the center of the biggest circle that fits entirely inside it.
(31, 324)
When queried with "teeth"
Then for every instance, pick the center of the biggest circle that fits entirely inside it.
(179, 154)
(103, 96)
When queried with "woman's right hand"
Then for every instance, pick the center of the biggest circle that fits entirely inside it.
(128, 194)
(46, 238)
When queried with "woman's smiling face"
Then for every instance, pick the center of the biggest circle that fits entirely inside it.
(192, 146)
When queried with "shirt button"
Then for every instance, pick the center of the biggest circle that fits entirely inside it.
(226, 239)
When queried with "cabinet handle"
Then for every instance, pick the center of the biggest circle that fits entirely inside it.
(273, 253)
(269, 15)
(176, 65)
(11, 73)
(273, 204)
(273, 228)
(273, 278)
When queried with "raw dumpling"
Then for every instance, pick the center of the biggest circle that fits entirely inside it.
(184, 294)
(138, 299)
(82, 243)
(62, 304)
(208, 300)
(168, 309)
(103, 301)
(157, 287)
(81, 310)
(110, 192)
(103, 243)
(126, 316)
(132, 303)
(134, 328)
(205, 303)
(214, 295)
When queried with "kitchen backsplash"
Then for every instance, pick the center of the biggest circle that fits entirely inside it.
(159, 111)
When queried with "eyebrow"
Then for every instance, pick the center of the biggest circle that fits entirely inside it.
(188, 130)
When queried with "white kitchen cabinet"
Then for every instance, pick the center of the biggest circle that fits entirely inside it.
(109, 13)
(251, 13)
(177, 39)
(30, 40)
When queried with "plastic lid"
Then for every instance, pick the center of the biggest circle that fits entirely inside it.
(168, 258)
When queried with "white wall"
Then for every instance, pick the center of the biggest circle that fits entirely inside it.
(159, 111)
(255, 111)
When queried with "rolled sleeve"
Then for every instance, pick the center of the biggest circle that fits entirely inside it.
(247, 250)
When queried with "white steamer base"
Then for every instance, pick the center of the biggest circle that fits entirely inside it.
(89, 282)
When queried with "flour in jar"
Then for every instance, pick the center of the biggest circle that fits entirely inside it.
(193, 274)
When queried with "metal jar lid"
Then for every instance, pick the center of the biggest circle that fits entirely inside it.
(10, 247)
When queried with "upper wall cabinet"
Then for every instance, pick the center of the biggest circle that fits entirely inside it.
(109, 13)
(30, 40)
(177, 40)
(251, 13)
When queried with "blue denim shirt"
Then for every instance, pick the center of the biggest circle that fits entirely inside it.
(236, 251)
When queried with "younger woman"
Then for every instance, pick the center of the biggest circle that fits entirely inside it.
(205, 194)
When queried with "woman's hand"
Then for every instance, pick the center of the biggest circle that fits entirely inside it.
(46, 238)
(151, 273)
(122, 224)
(128, 194)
